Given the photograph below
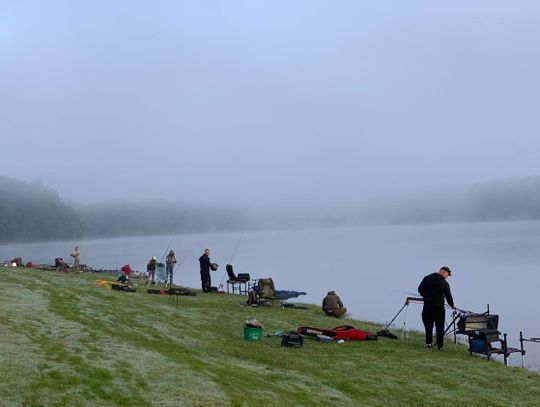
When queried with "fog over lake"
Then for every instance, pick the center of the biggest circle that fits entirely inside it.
(373, 269)
(274, 104)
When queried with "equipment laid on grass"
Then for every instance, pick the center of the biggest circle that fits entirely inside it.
(292, 340)
(346, 332)
(172, 292)
(253, 330)
(267, 295)
(114, 285)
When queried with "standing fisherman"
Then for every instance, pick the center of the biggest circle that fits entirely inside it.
(151, 271)
(76, 258)
(206, 264)
(171, 261)
(434, 289)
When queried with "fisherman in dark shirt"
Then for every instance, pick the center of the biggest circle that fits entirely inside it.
(151, 271)
(206, 264)
(434, 289)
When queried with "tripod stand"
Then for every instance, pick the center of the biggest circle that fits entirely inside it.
(409, 300)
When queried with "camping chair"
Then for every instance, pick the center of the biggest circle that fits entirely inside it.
(161, 274)
(240, 281)
(267, 293)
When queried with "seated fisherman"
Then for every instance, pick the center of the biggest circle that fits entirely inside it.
(332, 305)
(60, 264)
(123, 278)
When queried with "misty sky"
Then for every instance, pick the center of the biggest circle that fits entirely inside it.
(276, 102)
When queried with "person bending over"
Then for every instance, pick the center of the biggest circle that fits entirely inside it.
(434, 289)
(332, 305)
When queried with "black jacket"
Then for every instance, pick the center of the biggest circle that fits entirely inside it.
(434, 289)
(151, 266)
(204, 260)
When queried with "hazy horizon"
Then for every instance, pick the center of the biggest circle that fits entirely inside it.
(268, 104)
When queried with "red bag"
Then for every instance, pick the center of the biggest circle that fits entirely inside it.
(346, 332)
(126, 269)
(350, 333)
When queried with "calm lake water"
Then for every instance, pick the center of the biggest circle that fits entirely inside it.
(371, 268)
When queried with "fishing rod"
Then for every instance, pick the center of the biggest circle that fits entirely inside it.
(230, 261)
(166, 250)
(172, 272)
(236, 248)
(446, 305)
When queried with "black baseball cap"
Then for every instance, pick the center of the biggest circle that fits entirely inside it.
(444, 268)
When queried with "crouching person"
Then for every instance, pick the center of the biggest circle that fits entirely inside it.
(332, 305)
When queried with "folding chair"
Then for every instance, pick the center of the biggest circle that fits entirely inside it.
(161, 274)
(267, 293)
(239, 282)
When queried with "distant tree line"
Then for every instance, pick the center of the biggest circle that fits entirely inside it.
(506, 200)
(34, 212)
(31, 211)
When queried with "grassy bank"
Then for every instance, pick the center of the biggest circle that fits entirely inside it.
(66, 342)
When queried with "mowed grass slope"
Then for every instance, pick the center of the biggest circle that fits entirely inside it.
(65, 342)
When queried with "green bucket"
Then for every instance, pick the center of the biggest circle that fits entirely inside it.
(252, 334)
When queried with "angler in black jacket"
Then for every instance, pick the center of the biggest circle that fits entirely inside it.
(206, 264)
(434, 289)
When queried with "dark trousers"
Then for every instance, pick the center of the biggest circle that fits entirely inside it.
(170, 273)
(336, 312)
(432, 314)
(205, 279)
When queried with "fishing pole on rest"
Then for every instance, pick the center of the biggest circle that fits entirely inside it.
(446, 305)
(230, 261)
(177, 267)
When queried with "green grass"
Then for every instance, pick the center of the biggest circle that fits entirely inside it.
(65, 342)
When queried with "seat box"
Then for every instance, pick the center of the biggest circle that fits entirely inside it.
(486, 335)
(478, 346)
(470, 323)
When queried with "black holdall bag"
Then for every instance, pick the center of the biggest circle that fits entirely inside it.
(292, 340)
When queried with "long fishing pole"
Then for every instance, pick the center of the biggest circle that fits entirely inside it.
(446, 305)
(166, 250)
(230, 261)
(236, 248)
(172, 272)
